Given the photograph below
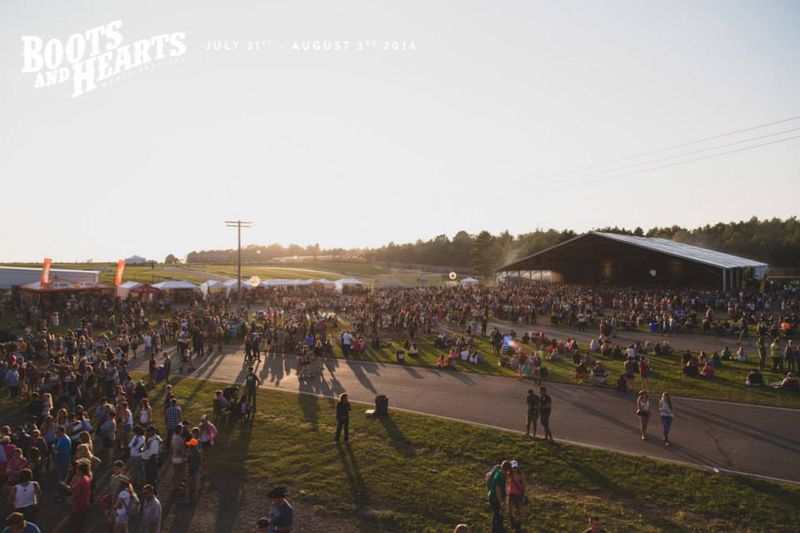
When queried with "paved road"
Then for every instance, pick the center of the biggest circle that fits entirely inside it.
(756, 440)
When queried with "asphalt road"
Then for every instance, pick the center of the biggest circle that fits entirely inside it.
(749, 439)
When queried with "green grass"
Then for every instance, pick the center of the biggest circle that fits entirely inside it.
(332, 271)
(409, 472)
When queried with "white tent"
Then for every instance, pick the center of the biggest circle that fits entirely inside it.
(176, 285)
(231, 284)
(347, 282)
(212, 286)
(277, 282)
(469, 282)
(125, 288)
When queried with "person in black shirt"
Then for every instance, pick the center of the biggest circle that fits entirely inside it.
(545, 406)
(252, 382)
(343, 417)
(533, 413)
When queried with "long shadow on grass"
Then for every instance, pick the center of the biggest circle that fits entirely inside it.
(229, 487)
(396, 437)
(310, 406)
(615, 490)
(358, 489)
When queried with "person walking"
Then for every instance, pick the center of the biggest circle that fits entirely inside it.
(496, 486)
(343, 417)
(25, 495)
(80, 490)
(150, 452)
(790, 357)
(667, 415)
(545, 407)
(644, 372)
(151, 511)
(532, 401)
(252, 382)
(643, 411)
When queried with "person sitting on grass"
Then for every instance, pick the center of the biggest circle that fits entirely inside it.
(581, 373)
(474, 357)
(599, 373)
(754, 378)
(440, 361)
(691, 368)
(740, 355)
(413, 351)
(708, 371)
(622, 384)
(716, 360)
(789, 382)
(726, 354)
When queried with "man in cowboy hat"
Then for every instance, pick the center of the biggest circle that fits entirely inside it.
(280, 513)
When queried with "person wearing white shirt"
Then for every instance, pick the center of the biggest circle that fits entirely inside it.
(152, 447)
(135, 464)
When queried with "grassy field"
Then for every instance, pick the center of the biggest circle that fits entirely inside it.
(408, 472)
(327, 270)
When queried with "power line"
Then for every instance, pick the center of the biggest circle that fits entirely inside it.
(667, 158)
(606, 178)
(667, 148)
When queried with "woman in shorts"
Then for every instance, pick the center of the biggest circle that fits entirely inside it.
(122, 508)
(516, 496)
(643, 411)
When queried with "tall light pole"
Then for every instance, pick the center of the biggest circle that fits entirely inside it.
(239, 224)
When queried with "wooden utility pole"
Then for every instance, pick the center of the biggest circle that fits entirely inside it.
(239, 224)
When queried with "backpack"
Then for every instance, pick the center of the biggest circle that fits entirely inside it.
(487, 478)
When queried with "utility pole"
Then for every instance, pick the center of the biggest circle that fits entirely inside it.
(239, 224)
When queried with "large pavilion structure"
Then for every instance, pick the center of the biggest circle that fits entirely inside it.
(615, 259)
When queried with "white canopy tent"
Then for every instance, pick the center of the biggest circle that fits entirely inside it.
(469, 282)
(176, 285)
(212, 286)
(347, 282)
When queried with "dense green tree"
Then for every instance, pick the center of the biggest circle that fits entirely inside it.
(774, 241)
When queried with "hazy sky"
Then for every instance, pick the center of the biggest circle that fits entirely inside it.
(359, 148)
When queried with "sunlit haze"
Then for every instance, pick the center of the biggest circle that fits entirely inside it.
(471, 123)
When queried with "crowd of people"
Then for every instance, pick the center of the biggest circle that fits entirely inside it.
(90, 431)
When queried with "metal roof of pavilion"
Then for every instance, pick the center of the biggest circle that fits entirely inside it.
(664, 246)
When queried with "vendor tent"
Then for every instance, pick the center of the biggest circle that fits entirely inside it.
(341, 284)
(469, 282)
(131, 288)
(212, 286)
(177, 285)
(64, 286)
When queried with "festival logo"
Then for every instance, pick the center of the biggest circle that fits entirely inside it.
(95, 56)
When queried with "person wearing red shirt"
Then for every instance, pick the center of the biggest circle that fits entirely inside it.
(80, 488)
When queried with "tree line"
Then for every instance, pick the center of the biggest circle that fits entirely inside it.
(774, 241)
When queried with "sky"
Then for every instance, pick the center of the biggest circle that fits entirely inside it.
(476, 121)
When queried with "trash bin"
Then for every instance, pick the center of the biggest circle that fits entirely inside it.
(381, 405)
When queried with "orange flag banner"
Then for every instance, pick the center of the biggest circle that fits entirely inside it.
(118, 275)
(44, 280)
